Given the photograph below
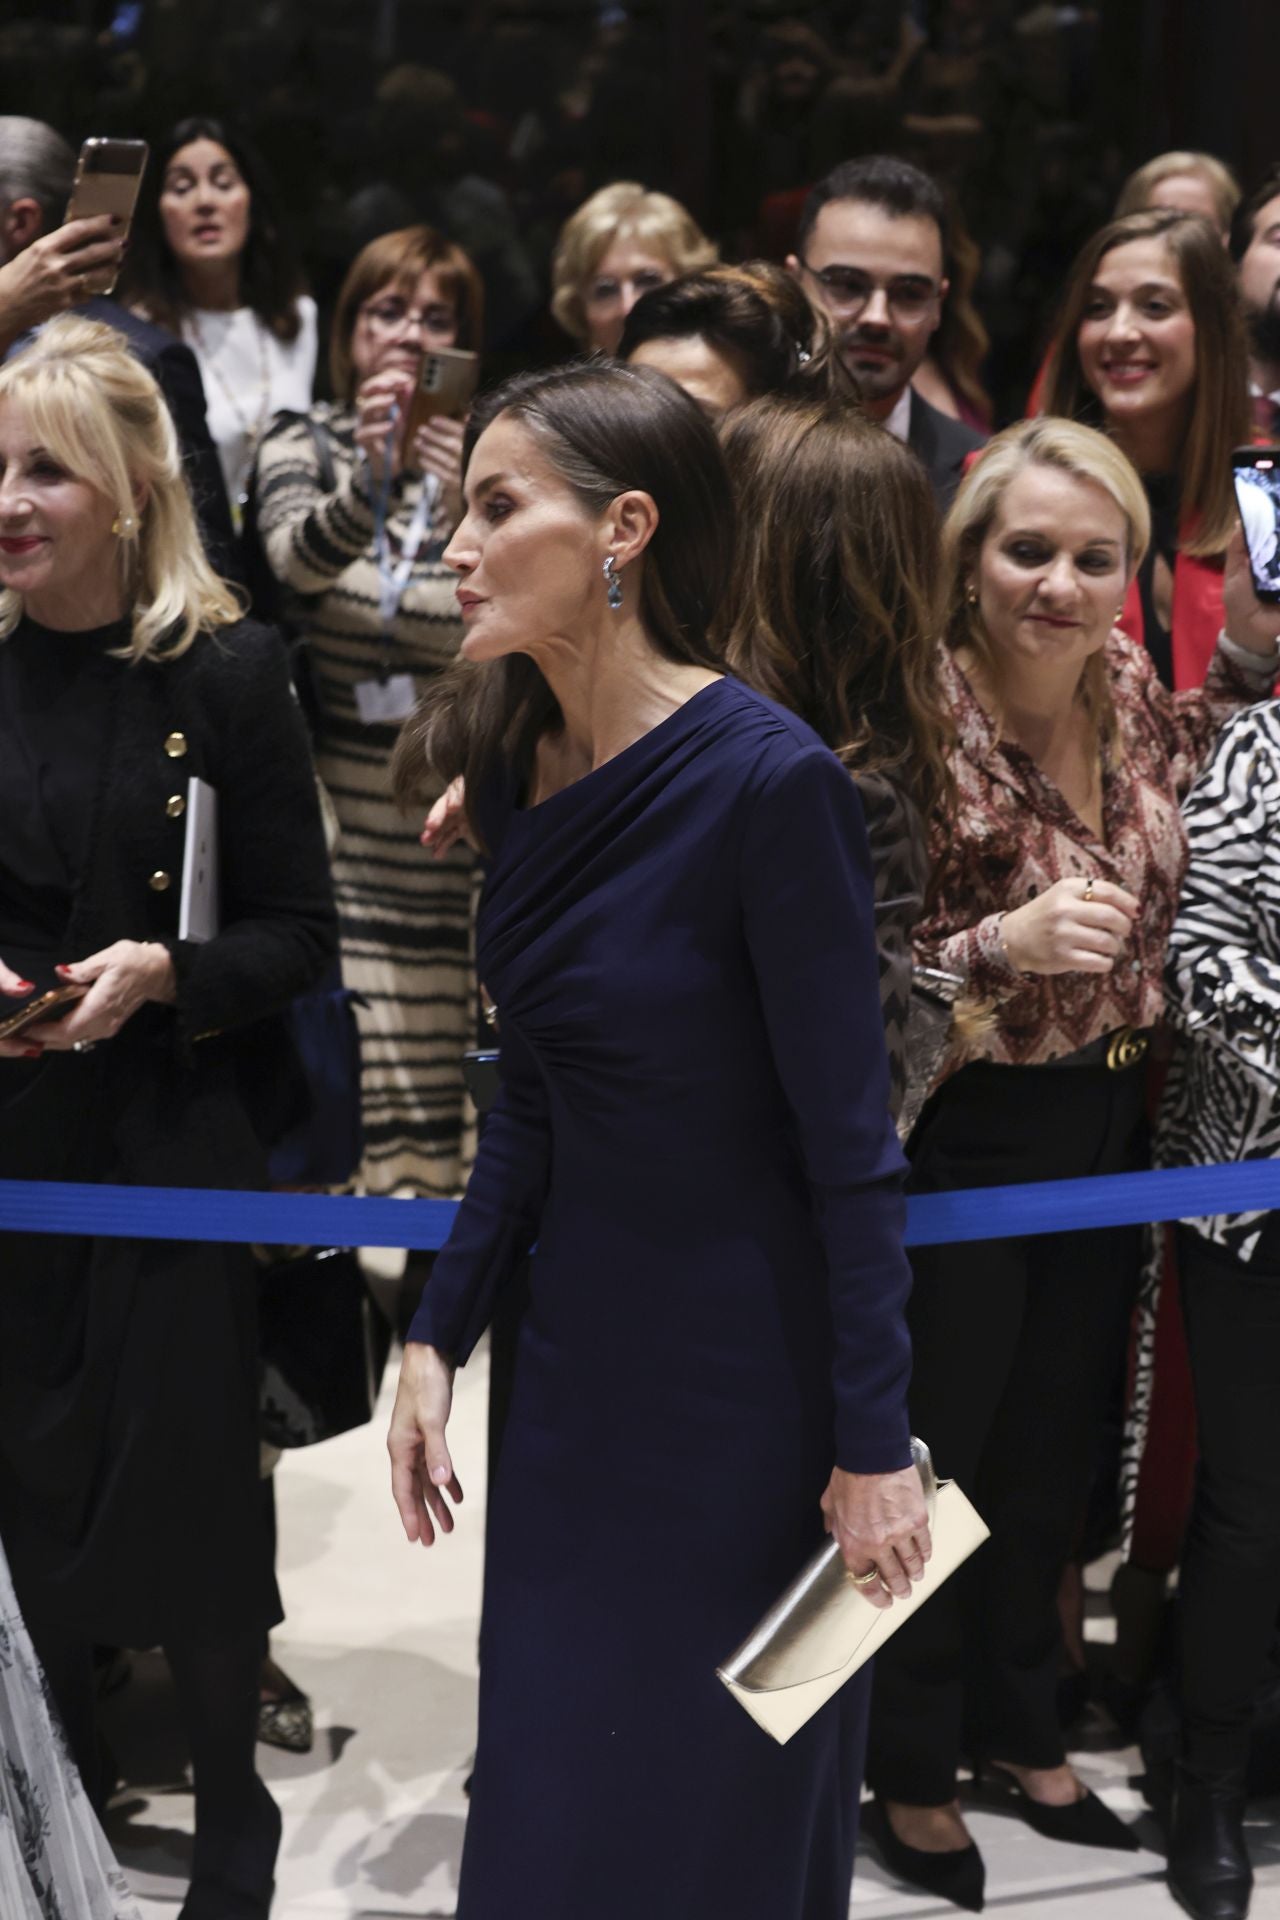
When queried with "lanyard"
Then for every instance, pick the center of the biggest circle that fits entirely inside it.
(394, 579)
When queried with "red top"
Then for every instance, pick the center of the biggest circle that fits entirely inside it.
(1197, 618)
(1012, 834)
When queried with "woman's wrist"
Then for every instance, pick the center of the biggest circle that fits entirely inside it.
(1253, 653)
(161, 982)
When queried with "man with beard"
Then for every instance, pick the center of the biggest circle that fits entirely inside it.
(870, 253)
(1255, 248)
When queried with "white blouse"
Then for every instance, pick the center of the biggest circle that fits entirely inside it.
(249, 376)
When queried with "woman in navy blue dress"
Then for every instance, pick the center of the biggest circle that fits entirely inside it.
(694, 1129)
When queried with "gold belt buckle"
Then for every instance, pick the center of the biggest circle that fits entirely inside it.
(1125, 1049)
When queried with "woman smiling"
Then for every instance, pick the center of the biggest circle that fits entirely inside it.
(1151, 348)
(1056, 878)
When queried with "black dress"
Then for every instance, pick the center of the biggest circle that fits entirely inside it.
(128, 1369)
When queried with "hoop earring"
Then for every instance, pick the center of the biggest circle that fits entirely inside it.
(613, 584)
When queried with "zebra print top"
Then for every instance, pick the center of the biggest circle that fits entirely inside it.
(1223, 976)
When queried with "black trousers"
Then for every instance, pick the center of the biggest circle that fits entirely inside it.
(1016, 1347)
(1229, 1593)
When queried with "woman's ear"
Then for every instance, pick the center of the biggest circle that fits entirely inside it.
(630, 525)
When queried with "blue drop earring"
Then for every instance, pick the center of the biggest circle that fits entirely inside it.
(613, 584)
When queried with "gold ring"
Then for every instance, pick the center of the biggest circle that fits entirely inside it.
(865, 1579)
(1088, 889)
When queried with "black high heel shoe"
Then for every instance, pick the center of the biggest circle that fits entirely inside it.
(959, 1876)
(240, 1883)
(1082, 1823)
(1209, 1872)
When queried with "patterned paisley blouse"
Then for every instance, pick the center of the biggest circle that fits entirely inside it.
(1013, 834)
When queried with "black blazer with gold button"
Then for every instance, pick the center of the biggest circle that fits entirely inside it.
(224, 710)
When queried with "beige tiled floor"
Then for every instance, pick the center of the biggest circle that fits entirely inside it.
(383, 1637)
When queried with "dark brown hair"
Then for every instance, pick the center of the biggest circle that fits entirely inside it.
(1220, 401)
(833, 610)
(606, 429)
(400, 259)
(756, 315)
(271, 276)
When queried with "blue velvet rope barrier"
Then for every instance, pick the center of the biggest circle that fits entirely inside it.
(309, 1219)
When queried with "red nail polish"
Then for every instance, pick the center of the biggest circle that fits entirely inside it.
(32, 1053)
(66, 971)
(23, 986)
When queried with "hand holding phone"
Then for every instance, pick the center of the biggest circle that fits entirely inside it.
(1255, 473)
(446, 386)
(44, 1006)
(108, 181)
(55, 273)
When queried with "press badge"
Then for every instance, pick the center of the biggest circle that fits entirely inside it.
(381, 702)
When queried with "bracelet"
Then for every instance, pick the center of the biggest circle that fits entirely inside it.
(1001, 948)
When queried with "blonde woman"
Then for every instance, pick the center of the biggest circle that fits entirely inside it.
(621, 243)
(129, 1504)
(1187, 182)
(1056, 875)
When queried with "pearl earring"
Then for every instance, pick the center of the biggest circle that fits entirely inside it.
(123, 525)
(972, 595)
(613, 584)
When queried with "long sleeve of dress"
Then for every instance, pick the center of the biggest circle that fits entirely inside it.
(808, 909)
(1224, 972)
(310, 535)
(497, 1222)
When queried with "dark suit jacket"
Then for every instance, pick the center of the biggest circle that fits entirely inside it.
(944, 445)
(173, 366)
(189, 1085)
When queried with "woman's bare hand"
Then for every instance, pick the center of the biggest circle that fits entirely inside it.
(1249, 622)
(421, 1469)
(58, 271)
(120, 979)
(446, 824)
(880, 1520)
(381, 416)
(1063, 932)
(437, 450)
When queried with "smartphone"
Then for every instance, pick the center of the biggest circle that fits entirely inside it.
(43, 1007)
(108, 180)
(446, 386)
(1255, 472)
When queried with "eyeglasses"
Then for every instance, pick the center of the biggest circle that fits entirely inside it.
(392, 316)
(908, 296)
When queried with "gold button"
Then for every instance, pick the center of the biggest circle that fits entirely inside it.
(175, 745)
(176, 804)
(160, 880)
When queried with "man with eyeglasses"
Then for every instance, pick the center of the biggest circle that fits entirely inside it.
(870, 255)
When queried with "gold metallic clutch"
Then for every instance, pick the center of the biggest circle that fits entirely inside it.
(822, 1629)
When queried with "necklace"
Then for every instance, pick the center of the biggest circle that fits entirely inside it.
(253, 426)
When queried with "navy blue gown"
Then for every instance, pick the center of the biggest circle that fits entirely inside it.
(694, 1129)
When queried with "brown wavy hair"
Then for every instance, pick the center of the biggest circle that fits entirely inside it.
(1220, 404)
(833, 610)
(605, 428)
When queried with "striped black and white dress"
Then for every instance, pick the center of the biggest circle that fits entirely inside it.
(406, 920)
(1222, 1098)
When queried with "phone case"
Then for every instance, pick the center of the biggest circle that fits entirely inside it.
(446, 384)
(39, 1009)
